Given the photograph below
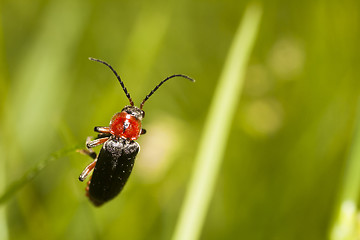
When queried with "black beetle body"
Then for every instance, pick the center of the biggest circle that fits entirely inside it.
(113, 166)
(112, 169)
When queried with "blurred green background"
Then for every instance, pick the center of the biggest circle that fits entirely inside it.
(290, 139)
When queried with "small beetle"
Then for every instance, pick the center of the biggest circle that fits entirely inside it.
(113, 165)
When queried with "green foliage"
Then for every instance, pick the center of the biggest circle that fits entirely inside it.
(30, 174)
(214, 139)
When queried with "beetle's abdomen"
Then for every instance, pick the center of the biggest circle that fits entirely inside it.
(112, 170)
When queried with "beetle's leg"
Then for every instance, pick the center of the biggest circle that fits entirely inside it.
(102, 129)
(103, 135)
(87, 170)
(91, 153)
(88, 151)
(143, 131)
(96, 142)
(103, 132)
(87, 188)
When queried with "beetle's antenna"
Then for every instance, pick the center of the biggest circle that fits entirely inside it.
(117, 76)
(161, 83)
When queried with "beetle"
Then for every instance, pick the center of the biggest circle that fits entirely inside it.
(114, 163)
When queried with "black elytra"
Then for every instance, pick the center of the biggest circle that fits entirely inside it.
(113, 168)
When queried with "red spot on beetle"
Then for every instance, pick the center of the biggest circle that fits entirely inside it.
(125, 125)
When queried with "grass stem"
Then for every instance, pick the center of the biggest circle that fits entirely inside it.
(217, 127)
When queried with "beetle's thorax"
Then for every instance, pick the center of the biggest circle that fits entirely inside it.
(127, 123)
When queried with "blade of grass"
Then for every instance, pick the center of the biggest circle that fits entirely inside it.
(346, 211)
(3, 93)
(32, 173)
(3, 220)
(217, 127)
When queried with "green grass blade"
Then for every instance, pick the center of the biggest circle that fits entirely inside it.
(3, 93)
(346, 210)
(217, 127)
(3, 220)
(30, 174)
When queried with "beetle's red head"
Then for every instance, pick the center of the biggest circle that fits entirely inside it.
(127, 123)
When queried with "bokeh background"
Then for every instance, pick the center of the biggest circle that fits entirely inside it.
(289, 142)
